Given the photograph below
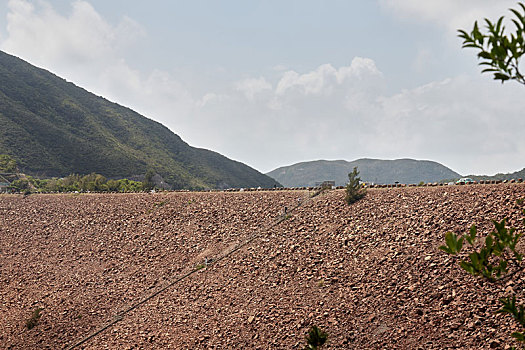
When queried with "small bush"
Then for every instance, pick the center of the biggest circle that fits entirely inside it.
(316, 337)
(354, 189)
(35, 317)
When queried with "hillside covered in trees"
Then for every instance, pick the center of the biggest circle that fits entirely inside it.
(53, 128)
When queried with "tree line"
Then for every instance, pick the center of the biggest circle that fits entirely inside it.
(73, 183)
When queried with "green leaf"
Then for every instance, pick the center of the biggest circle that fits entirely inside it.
(489, 70)
(463, 34)
(501, 76)
(467, 267)
(445, 249)
(485, 54)
(474, 257)
(489, 240)
(517, 14)
(518, 336)
(453, 244)
(471, 237)
(503, 266)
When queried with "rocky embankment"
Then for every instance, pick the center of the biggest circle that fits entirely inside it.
(369, 274)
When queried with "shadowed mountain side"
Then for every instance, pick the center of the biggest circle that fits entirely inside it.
(54, 128)
(371, 170)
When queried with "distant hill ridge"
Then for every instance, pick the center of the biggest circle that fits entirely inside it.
(371, 170)
(500, 176)
(54, 128)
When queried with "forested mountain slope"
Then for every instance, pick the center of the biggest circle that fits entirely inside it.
(54, 128)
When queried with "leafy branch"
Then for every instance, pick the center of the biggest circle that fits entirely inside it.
(499, 53)
(491, 261)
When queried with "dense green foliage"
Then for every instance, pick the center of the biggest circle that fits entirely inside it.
(354, 190)
(77, 183)
(372, 170)
(316, 338)
(53, 128)
(499, 53)
(7, 164)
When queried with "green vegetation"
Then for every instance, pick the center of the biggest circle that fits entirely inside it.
(354, 188)
(316, 338)
(77, 183)
(500, 53)
(7, 164)
(53, 128)
(148, 184)
(35, 317)
(492, 261)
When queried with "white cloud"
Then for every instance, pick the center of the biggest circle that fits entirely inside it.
(252, 87)
(469, 124)
(312, 83)
(452, 14)
(81, 38)
(322, 80)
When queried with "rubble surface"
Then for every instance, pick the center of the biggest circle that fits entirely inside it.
(369, 274)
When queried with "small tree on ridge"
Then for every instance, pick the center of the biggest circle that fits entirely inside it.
(354, 189)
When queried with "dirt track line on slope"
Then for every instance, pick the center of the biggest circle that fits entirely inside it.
(222, 256)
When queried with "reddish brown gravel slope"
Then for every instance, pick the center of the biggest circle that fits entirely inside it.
(369, 274)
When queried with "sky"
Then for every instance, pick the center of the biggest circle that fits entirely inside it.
(272, 83)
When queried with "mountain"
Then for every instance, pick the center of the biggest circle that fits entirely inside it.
(54, 128)
(371, 170)
(515, 175)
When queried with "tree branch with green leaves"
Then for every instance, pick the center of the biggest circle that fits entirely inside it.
(499, 52)
(492, 260)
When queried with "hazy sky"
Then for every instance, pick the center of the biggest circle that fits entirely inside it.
(271, 83)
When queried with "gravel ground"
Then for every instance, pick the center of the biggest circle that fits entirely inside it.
(369, 274)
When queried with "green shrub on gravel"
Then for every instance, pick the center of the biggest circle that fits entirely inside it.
(35, 317)
(316, 338)
(491, 261)
(354, 189)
